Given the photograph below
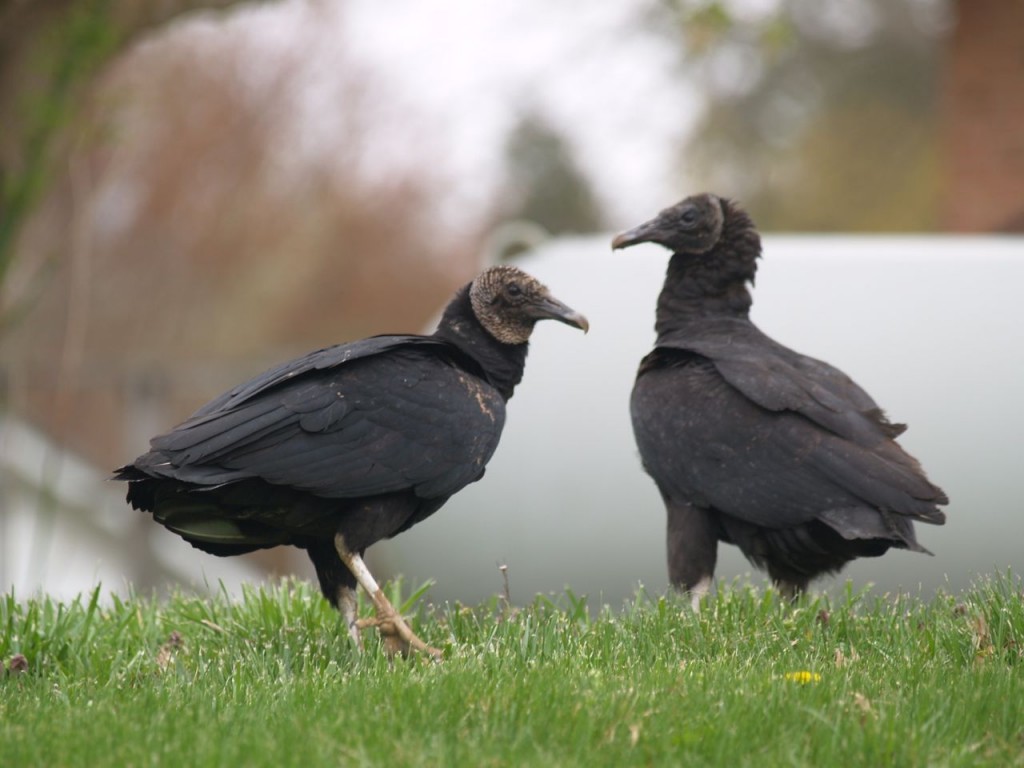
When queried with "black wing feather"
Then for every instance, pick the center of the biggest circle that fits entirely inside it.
(769, 436)
(779, 379)
(377, 416)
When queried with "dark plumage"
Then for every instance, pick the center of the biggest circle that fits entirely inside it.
(351, 444)
(750, 442)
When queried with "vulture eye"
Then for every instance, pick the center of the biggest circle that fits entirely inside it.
(514, 290)
(689, 217)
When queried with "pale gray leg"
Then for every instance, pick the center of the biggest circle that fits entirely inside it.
(692, 539)
(791, 590)
(388, 620)
(348, 605)
(699, 590)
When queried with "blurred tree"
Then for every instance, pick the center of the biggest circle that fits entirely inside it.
(50, 51)
(544, 183)
(821, 115)
(983, 136)
(204, 235)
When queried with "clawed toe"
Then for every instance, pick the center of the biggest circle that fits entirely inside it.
(398, 638)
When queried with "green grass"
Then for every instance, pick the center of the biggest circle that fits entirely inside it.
(272, 680)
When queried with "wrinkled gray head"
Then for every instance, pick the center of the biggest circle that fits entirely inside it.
(508, 302)
(691, 226)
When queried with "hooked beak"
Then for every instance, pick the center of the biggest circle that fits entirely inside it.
(550, 308)
(643, 233)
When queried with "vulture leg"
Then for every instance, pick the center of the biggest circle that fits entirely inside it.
(347, 606)
(397, 635)
(692, 549)
(791, 589)
(338, 586)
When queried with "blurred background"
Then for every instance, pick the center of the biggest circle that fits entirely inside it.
(192, 191)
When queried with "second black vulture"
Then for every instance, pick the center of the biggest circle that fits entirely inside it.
(350, 444)
(749, 442)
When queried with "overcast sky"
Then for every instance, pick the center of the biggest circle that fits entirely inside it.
(451, 78)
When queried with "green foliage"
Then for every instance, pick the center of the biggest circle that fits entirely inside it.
(272, 680)
(548, 187)
(63, 62)
(818, 118)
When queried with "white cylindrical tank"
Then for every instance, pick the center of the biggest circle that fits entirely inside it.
(931, 327)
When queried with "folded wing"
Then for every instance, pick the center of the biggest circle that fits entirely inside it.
(374, 417)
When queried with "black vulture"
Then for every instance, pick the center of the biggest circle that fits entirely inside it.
(749, 442)
(351, 444)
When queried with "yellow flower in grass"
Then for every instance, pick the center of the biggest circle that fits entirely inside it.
(803, 677)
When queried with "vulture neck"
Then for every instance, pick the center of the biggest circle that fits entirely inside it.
(710, 285)
(502, 364)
